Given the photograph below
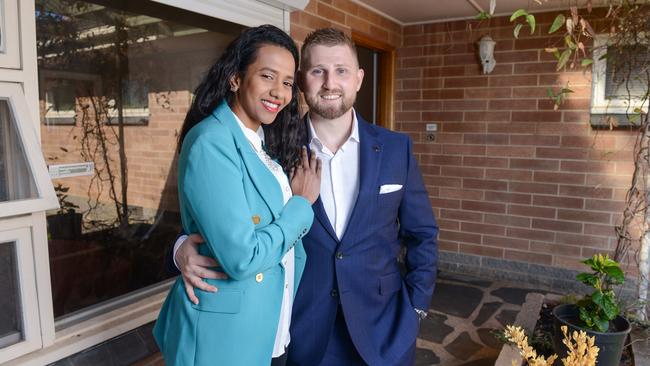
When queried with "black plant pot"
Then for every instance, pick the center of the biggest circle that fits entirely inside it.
(65, 225)
(610, 343)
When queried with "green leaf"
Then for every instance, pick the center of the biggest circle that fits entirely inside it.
(591, 262)
(482, 15)
(601, 325)
(609, 306)
(564, 58)
(518, 13)
(569, 42)
(586, 317)
(549, 92)
(566, 91)
(530, 19)
(586, 62)
(517, 29)
(587, 278)
(557, 23)
(615, 273)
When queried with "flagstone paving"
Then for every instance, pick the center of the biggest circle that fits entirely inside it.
(463, 316)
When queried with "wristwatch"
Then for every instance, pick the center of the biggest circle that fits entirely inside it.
(421, 313)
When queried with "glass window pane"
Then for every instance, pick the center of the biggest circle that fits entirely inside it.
(10, 313)
(16, 181)
(627, 74)
(115, 85)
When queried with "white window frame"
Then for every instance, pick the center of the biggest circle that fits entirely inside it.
(9, 39)
(46, 199)
(599, 104)
(31, 341)
(68, 336)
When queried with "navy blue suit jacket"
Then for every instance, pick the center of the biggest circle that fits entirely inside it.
(360, 271)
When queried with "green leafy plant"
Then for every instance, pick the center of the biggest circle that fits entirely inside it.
(529, 18)
(600, 307)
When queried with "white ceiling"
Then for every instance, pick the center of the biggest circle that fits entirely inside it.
(426, 11)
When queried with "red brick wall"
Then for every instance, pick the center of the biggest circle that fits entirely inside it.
(508, 176)
(347, 16)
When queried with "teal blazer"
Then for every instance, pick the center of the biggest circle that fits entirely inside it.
(228, 195)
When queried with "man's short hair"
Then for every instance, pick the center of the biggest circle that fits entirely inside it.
(329, 37)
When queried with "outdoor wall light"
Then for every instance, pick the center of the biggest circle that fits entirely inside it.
(486, 53)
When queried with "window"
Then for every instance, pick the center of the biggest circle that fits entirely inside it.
(115, 84)
(16, 181)
(24, 183)
(619, 82)
(9, 40)
(19, 324)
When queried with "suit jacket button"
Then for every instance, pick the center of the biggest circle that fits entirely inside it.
(339, 255)
(334, 293)
(259, 277)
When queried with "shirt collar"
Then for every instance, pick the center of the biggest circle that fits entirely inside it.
(354, 134)
(256, 138)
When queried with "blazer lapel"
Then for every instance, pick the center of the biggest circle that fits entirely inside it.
(259, 174)
(370, 151)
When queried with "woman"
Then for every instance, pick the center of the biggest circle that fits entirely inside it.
(238, 198)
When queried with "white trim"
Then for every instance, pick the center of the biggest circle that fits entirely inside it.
(287, 22)
(599, 104)
(43, 280)
(250, 13)
(46, 199)
(11, 75)
(30, 63)
(10, 43)
(31, 337)
(288, 5)
(94, 331)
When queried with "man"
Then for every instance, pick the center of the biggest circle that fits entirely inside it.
(353, 307)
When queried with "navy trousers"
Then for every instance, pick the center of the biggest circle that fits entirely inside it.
(341, 350)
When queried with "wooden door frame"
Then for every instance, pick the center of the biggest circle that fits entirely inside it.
(386, 88)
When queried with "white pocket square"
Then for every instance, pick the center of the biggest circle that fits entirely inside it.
(388, 188)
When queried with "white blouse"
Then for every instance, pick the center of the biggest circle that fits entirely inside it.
(282, 337)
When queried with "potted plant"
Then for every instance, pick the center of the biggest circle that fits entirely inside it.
(66, 224)
(597, 313)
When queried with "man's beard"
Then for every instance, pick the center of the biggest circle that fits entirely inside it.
(317, 106)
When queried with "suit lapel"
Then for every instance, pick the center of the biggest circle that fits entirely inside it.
(259, 174)
(319, 209)
(370, 150)
(321, 215)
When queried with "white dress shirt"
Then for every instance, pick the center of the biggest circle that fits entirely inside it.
(282, 337)
(339, 185)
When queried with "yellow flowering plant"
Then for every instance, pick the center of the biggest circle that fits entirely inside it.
(581, 348)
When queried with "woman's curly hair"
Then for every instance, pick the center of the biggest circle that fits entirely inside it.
(285, 136)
